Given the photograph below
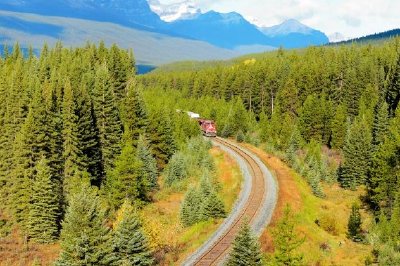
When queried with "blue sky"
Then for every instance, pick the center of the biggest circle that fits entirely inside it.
(352, 18)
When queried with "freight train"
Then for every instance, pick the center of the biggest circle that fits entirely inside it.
(207, 126)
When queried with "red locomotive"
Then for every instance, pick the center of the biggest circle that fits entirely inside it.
(208, 127)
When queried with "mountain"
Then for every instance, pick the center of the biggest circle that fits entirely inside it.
(228, 30)
(150, 48)
(133, 13)
(293, 34)
(175, 11)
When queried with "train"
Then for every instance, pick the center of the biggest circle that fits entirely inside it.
(207, 126)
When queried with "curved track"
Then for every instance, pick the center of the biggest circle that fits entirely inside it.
(255, 205)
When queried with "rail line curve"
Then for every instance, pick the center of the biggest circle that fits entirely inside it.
(255, 204)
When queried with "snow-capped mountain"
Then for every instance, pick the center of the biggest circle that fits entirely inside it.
(287, 27)
(172, 12)
(337, 37)
(293, 34)
(227, 30)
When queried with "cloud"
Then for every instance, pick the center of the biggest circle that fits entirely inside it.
(350, 17)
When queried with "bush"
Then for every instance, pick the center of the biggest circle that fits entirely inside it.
(240, 136)
(328, 222)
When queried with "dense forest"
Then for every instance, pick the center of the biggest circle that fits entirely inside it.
(307, 105)
(82, 149)
(84, 141)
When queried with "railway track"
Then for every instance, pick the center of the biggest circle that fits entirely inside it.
(255, 205)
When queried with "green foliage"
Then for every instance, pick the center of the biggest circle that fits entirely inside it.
(148, 167)
(201, 204)
(124, 182)
(354, 224)
(177, 169)
(286, 241)
(240, 136)
(107, 116)
(246, 249)
(44, 207)
(129, 244)
(357, 154)
(85, 240)
(190, 207)
(339, 127)
(135, 114)
(161, 137)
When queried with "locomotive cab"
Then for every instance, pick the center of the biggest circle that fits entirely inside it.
(208, 127)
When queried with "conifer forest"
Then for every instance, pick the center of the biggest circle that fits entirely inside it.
(86, 145)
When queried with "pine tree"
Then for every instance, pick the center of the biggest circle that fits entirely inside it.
(381, 123)
(85, 240)
(354, 224)
(339, 127)
(129, 243)
(286, 241)
(72, 150)
(357, 155)
(392, 83)
(44, 207)
(213, 207)
(246, 249)
(135, 114)
(124, 181)
(161, 137)
(190, 208)
(176, 169)
(89, 136)
(107, 117)
(148, 170)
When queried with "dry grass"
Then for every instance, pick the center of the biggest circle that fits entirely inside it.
(169, 239)
(13, 251)
(326, 243)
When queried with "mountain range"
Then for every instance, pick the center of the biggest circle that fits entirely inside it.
(157, 33)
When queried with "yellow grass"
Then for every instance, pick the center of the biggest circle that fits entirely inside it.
(332, 214)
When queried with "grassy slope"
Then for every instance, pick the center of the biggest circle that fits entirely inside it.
(332, 213)
(161, 219)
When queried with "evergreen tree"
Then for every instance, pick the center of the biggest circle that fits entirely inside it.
(190, 208)
(107, 117)
(213, 207)
(339, 127)
(124, 181)
(129, 242)
(161, 137)
(286, 241)
(357, 155)
(381, 123)
(176, 169)
(246, 249)
(393, 84)
(85, 240)
(354, 224)
(44, 208)
(135, 114)
(72, 150)
(148, 170)
(88, 135)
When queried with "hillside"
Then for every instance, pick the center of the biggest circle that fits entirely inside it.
(150, 48)
(373, 38)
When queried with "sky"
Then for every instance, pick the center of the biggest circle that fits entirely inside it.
(352, 18)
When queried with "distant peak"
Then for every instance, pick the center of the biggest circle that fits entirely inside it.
(287, 27)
